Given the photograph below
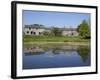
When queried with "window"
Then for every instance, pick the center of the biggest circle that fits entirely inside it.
(39, 33)
(27, 31)
(72, 34)
(34, 32)
(31, 32)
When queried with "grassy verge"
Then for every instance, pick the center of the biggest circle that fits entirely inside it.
(55, 40)
(58, 43)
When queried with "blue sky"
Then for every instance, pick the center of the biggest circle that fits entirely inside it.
(58, 19)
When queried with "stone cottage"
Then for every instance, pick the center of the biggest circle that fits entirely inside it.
(36, 29)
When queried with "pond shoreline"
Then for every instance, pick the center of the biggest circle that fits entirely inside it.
(59, 43)
(55, 54)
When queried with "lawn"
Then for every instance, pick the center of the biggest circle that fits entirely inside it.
(53, 39)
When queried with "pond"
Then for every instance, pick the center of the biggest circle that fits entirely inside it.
(55, 56)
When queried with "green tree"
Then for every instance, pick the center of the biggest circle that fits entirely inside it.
(45, 33)
(84, 30)
(56, 32)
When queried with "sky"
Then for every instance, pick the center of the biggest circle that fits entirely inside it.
(57, 19)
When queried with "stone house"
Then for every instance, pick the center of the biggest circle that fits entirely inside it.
(36, 29)
(69, 32)
(33, 30)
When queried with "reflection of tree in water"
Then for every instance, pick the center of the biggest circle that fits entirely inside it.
(83, 52)
(64, 49)
(55, 49)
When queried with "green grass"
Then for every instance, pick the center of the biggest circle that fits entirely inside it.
(53, 39)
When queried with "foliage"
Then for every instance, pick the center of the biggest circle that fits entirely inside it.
(56, 32)
(45, 33)
(84, 30)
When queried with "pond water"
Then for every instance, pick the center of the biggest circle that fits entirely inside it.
(55, 56)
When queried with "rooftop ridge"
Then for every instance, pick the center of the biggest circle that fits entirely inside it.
(39, 26)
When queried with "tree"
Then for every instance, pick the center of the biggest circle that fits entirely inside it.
(56, 32)
(84, 30)
(45, 33)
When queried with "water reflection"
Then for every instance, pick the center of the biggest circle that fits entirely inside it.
(49, 56)
(84, 52)
(32, 49)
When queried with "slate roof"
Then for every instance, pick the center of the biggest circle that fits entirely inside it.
(39, 26)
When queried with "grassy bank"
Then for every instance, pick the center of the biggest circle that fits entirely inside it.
(55, 40)
(58, 43)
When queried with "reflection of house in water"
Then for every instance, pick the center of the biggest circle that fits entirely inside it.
(37, 29)
(82, 52)
(33, 50)
(50, 50)
(68, 47)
